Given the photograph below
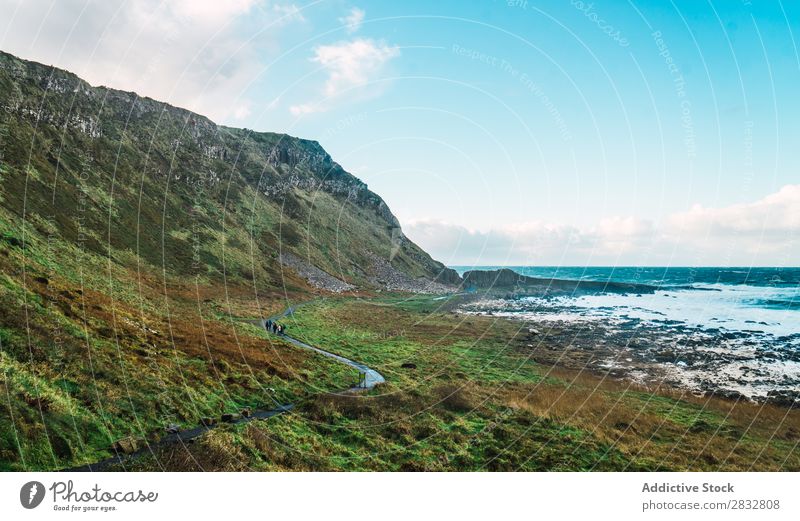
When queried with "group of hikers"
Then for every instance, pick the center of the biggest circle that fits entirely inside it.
(274, 327)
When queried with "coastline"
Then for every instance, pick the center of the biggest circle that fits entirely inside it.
(621, 334)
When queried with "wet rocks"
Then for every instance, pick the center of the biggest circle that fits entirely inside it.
(786, 398)
(713, 361)
(727, 394)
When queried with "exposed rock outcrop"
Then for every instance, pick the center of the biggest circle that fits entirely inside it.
(508, 280)
(316, 277)
(386, 276)
(180, 176)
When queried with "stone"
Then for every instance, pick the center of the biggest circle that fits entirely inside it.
(127, 445)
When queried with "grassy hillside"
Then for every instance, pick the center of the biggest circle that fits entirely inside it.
(135, 237)
(124, 175)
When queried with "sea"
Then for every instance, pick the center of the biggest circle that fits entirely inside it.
(734, 328)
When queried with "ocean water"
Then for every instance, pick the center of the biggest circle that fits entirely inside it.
(765, 300)
(708, 329)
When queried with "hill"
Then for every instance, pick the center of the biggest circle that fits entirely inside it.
(505, 280)
(137, 236)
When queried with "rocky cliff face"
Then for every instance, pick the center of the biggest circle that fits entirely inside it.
(131, 232)
(134, 158)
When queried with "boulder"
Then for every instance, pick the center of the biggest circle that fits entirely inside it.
(784, 398)
(126, 445)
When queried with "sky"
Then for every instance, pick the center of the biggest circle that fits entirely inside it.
(499, 132)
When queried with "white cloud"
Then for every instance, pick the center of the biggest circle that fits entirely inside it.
(768, 228)
(210, 11)
(353, 21)
(302, 109)
(288, 13)
(242, 111)
(198, 54)
(352, 63)
(759, 233)
(776, 213)
(348, 65)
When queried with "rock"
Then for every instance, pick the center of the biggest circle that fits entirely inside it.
(624, 426)
(506, 278)
(728, 394)
(384, 275)
(784, 397)
(246, 412)
(316, 277)
(408, 365)
(230, 417)
(13, 241)
(127, 445)
(172, 428)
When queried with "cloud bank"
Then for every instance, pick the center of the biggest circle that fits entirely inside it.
(764, 232)
(199, 54)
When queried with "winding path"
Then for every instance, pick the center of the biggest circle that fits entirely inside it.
(370, 378)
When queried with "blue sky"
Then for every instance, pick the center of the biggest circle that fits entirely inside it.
(499, 132)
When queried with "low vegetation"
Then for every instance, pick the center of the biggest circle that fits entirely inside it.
(461, 394)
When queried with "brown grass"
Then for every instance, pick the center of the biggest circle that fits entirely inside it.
(215, 451)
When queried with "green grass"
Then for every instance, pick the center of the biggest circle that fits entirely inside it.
(476, 402)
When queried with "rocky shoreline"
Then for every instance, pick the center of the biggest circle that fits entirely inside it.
(738, 365)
